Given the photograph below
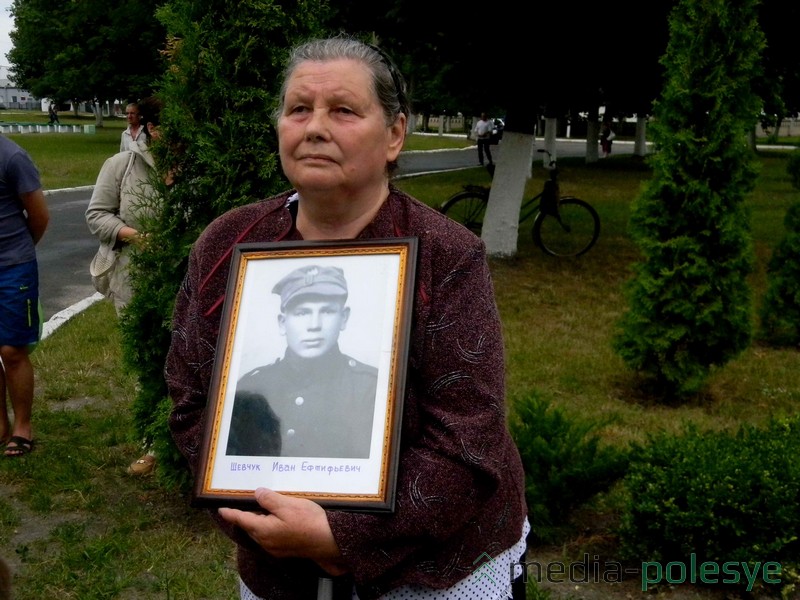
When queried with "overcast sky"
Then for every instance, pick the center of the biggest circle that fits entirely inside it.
(6, 25)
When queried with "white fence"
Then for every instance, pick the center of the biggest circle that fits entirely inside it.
(44, 128)
(443, 123)
(789, 127)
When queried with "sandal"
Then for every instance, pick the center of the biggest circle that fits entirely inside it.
(18, 446)
(143, 466)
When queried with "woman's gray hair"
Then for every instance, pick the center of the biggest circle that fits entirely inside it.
(388, 83)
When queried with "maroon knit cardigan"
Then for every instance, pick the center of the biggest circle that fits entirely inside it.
(460, 488)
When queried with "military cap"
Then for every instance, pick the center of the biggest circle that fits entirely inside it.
(321, 281)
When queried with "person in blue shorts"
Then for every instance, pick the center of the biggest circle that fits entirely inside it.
(23, 220)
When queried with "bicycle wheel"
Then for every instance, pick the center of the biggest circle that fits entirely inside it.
(570, 233)
(468, 209)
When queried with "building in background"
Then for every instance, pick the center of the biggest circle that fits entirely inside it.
(14, 97)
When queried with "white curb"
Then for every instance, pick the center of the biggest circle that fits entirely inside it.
(58, 319)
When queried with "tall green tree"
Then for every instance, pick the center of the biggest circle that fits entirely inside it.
(690, 304)
(218, 150)
(90, 50)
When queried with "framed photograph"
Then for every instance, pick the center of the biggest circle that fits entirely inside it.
(309, 377)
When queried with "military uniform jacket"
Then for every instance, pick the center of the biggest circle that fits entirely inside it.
(324, 407)
(460, 485)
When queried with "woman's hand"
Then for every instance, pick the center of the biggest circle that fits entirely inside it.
(292, 527)
(129, 235)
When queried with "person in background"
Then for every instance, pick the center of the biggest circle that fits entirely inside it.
(607, 135)
(122, 198)
(53, 114)
(24, 217)
(341, 125)
(135, 131)
(483, 134)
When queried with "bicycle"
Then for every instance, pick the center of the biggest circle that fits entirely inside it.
(563, 225)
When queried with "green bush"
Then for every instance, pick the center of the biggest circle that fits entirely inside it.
(793, 168)
(565, 463)
(690, 303)
(722, 496)
(780, 311)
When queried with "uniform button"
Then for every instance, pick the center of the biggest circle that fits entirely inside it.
(299, 401)
(351, 362)
(290, 432)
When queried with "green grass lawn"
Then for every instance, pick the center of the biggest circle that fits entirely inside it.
(67, 159)
(74, 525)
(74, 159)
(559, 314)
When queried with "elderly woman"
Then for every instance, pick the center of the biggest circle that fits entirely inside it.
(460, 491)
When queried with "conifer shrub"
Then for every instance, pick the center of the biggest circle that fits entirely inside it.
(689, 301)
(780, 309)
(218, 150)
(793, 168)
(721, 496)
(565, 460)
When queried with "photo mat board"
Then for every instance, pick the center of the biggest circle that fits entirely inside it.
(254, 363)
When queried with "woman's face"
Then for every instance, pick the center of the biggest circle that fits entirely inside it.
(332, 132)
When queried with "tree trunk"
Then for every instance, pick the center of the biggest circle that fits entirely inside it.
(640, 140)
(411, 125)
(751, 138)
(593, 135)
(501, 223)
(550, 130)
(592, 141)
(98, 114)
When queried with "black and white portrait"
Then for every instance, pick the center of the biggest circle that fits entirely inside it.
(309, 372)
(313, 400)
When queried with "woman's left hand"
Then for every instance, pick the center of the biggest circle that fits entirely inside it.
(292, 527)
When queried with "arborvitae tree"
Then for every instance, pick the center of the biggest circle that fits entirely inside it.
(780, 312)
(690, 305)
(218, 150)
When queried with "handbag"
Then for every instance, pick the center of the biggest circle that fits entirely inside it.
(102, 268)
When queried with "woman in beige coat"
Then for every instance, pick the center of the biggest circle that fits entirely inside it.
(122, 199)
(123, 196)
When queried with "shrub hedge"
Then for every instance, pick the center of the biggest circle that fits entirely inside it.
(564, 460)
(721, 496)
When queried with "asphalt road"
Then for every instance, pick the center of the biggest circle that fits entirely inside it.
(67, 247)
(65, 251)
(418, 162)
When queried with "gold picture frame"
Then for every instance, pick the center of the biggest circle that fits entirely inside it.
(309, 376)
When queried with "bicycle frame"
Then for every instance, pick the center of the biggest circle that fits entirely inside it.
(545, 201)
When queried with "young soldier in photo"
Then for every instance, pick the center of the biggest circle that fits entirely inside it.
(323, 400)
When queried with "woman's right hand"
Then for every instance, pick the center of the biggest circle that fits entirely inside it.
(291, 527)
(128, 235)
